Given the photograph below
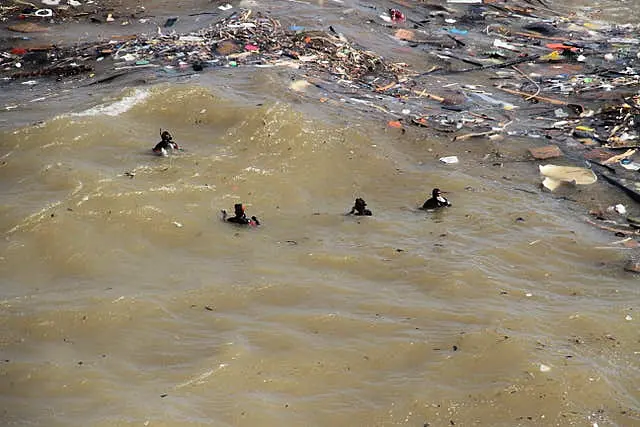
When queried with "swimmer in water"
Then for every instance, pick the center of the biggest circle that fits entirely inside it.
(240, 217)
(359, 208)
(167, 144)
(436, 201)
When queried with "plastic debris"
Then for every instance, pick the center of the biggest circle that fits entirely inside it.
(458, 32)
(449, 160)
(555, 175)
(629, 164)
(43, 13)
(619, 209)
(504, 45)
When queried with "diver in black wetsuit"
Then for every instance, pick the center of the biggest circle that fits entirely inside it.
(167, 143)
(240, 217)
(359, 208)
(436, 201)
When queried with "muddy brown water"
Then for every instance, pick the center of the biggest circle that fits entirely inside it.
(125, 301)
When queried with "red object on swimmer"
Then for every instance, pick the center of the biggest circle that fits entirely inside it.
(396, 15)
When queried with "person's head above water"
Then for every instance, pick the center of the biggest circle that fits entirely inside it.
(436, 201)
(166, 136)
(240, 217)
(360, 204)
(238, 209)
(360, 208)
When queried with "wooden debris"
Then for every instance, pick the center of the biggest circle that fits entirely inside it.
(27, 27)
(533, 96)
(615, 159)
(546, 152)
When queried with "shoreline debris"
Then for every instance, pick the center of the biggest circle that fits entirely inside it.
(492, 71)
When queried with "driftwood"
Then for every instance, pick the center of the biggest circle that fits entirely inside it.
(540, 36)
(501, 65)
(473, 135)
(533, 96)
(626, 232)
(423, 93)
(619, 157)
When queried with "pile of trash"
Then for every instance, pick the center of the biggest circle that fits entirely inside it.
(243, 39)
(554, 77)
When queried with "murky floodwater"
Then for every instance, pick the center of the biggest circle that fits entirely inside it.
(124, 300)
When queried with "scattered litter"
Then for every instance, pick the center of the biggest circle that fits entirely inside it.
(129, 57)
(560, 113)
(554, 176)
(620, 157)
(449, 160)
(177, 224)
(629, 164)
(619, 208)
(504, 45)
(225, 7)
(458, 32)
(544, 368)
(43, 13)
(191, 39)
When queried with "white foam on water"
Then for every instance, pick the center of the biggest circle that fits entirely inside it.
(118, 107)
